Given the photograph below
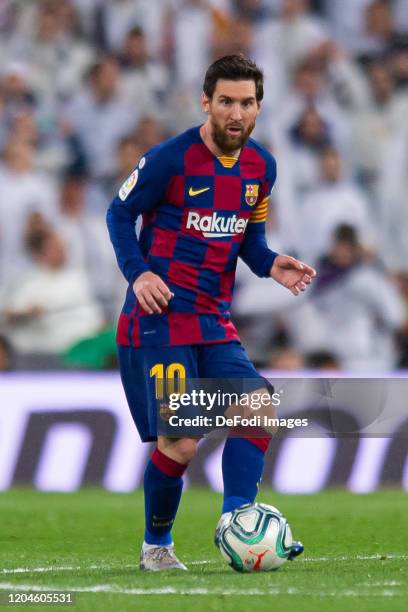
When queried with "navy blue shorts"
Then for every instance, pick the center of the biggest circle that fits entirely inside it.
(140, 372)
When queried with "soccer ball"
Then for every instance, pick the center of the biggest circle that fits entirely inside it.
(253, 538)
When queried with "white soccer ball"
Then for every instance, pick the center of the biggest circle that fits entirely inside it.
(253, 538)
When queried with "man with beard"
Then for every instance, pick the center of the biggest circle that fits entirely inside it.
(203, 197)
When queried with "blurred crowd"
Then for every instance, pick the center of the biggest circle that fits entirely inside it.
(86, 86)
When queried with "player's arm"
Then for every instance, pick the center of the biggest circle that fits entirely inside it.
(254, 250)
(286, 270)
(141, 192)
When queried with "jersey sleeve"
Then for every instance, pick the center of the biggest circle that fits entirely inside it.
(141, 192)
(254, 250)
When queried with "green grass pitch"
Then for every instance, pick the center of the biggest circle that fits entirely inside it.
(355, 553)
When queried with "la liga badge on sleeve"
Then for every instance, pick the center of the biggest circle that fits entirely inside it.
(128, 185)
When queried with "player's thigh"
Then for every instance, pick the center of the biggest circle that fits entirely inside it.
(228, 364)
(226, 360)
(148, 374)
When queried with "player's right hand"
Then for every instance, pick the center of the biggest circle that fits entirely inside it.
(152, 293)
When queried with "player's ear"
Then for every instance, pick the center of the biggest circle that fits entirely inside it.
(259, 105)
(205, 103)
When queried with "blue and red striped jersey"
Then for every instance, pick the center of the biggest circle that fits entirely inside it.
(200, 213)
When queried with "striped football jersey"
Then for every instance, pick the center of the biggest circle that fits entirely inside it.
(200, 213)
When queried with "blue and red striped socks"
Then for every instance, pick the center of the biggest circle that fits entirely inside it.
(242, 466)
(163, 485)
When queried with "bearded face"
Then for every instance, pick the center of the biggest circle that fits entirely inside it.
(232, 112)
(231, 137)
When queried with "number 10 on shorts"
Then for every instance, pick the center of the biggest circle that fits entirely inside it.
(171, 379)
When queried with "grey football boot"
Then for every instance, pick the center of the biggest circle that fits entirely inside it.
(159, 559)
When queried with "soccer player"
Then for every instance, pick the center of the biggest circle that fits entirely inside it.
(203, 197)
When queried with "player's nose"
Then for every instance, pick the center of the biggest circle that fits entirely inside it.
(236, 113)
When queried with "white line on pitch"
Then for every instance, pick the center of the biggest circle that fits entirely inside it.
(169, 590)
(107, 566)
(377, 557)
(71, 568)
(203, 562)
(64, 568)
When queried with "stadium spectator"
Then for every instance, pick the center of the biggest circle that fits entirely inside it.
(50, 306)
(282, 43)
(398, 62)
(280, 229)
(52, 150)
(310, 90)
(57, 56)
(295, 34)
(307, 137)
(239, 39)
(393, 214)
(128, 155)
(334, 200)
(84, 231)
(378, 31)
(100, 116)
(346, 19)
(354, 311)
(148, 133)
(6, 355)
(375, 123)
(23, 191)
(17, 91)
(285, 358)
(193, 29)
(321, 360)
(115, 18)
(145, 80)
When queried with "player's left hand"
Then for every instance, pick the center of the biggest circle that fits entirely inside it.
(293, 274)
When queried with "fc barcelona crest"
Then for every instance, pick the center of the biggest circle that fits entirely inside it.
(251, 194)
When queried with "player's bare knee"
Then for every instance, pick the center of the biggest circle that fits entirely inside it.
(181, 450)
(262, 405)
(186, 449)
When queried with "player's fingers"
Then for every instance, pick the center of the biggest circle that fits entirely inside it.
(144, 304)
(300, 265)
(150, 301)
(165, 291)
(159, 297)
(309, 270)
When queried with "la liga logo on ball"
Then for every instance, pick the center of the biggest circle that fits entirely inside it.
(254, 538)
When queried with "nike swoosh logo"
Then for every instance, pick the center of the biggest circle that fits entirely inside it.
(194, 192)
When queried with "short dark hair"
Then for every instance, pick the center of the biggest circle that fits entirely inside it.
(344, 232)
(135, 31)
(233, 68)
(35, 241)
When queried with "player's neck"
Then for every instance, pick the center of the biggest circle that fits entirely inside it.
(206, 136)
